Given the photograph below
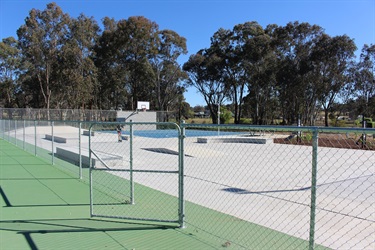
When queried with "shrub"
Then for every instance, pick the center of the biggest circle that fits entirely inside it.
(245, 121)
(307, 137)
(225, 115)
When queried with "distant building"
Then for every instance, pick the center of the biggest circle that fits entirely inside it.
(202, 114)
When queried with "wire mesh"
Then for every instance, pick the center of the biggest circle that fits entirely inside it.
(57, 114)
(135, 171)
(263, 176)
(346, 191)
(45, 138)
(245, 186)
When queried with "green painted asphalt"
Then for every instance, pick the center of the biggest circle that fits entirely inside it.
(44, 207)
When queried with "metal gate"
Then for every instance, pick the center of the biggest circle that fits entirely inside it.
(137, 173)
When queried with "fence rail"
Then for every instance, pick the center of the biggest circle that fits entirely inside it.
(77, 115)
(260, 186)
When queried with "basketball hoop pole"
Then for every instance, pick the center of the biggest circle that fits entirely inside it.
(134, 113)
(140, 106)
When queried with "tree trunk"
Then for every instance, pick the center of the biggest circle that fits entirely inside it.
(326, 118)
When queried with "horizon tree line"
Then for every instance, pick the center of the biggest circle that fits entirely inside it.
(293, 71)
(290, 71)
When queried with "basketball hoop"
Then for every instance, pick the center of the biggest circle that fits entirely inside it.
(144, 108)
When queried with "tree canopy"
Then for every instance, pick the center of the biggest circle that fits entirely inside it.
(64, 62)
(263, 73)
(288, 72)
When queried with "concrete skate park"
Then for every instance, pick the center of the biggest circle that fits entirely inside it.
(264, 183)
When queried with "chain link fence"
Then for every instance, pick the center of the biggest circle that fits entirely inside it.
(278, 178)
(245, 187)
(135, 173)
(47, 139)
(58, 114)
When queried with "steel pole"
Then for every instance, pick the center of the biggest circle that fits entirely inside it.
(131, 163)
(35, 137)
(15, 131)
(181, 155)
(314, 171)
(90, 175)
(53, 139)
(79, 148)
(23, 135)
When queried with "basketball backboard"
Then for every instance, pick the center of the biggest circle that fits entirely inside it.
(141, 105)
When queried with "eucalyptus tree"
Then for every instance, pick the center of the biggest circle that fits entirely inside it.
(111, 72)
(168, 75)
(77, 71)
(138, 37)
(204, 75)
(123, 54)
(184, 111)
(9, 71)
(296, 88)
(258, 61)
(41, 39)
(330, 59)
(363, 75)
(227, 47)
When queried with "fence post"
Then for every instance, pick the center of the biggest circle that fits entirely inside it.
(23, 135)
(2, 127)
(79, 148)
(53, 139)
(35, 137)
(15, 132)
(131, 163)
(9, 131)
(181, 212)
(90, 172)
(313, 188)
(363, 134)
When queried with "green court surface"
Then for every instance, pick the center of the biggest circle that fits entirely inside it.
(43, 207)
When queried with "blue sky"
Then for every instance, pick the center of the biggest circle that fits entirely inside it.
(198, 20)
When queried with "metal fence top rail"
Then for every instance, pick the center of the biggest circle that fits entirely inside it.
(223, 126)
(281, 128)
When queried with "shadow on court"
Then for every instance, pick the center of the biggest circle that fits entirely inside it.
(42, 207)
